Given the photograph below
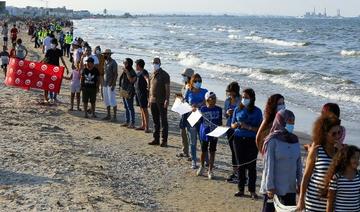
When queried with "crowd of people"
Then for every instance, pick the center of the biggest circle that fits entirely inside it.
(329, 182)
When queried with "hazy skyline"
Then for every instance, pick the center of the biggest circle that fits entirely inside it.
(249, 7)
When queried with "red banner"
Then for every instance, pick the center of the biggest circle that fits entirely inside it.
(28, 74)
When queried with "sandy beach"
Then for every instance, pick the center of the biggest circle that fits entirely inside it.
(55, 160)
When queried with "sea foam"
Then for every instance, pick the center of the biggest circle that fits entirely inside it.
(276, 41)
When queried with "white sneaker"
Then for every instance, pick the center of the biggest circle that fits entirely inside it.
(200, 171)
(210, 175)
(193, 164)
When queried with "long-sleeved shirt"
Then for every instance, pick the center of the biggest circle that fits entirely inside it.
(227, 106)
(282, 167)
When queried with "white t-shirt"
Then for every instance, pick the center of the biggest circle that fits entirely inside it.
(47, 43)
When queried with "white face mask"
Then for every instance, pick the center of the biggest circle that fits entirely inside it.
(245, 102)
(281, 107)
(156, 67)
(97, 52)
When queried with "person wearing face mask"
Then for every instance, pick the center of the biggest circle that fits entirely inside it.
(100, 57)
(110, 78)
(246, 121)
(52, 57)
(159, 95)
(87, 54)
(186, 76)
(127, 92)
(282, 171)
(142, 94)
(232, 101)
(325, 135)
(274, 104)
(195, 96)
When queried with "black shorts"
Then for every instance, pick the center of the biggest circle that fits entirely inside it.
(4, 66)
(5, 39)
(205, 145)
(89, 95)
(142, 100)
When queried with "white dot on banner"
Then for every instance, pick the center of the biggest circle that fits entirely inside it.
(44, 67)
(13, 62)
(56, 69)
(21, 63)
(51, 86)
(41, 76)
(53, 78)
(39, 84)
(30, 73)
(27, 82)
(32, 65)
(19, 72)
(17, 81)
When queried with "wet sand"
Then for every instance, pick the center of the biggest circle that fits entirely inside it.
(55, 160)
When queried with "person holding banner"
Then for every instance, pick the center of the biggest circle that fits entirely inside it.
(246, 122)
(195, 96)
(212, 118)
(232, 101)
(282, 171)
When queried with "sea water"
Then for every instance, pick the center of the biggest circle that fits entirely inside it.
(310, 62)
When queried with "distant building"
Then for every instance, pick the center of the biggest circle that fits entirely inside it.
(2, 7)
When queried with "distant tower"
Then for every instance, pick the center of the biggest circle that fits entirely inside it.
(314, 12)
(325, 12)
(338, 13)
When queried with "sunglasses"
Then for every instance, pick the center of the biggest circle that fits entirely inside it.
(195, 81)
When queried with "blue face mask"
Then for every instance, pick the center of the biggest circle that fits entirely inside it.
(245, 102)
(290, 128)
(197, 85)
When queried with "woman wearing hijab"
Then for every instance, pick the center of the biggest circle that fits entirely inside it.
(282, 171)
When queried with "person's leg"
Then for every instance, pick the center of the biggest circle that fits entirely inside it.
(85, 108)
(46, 98)
(113, 103)
(288, 199)
(107, 103)
(127, 112)
(230, 137)
(268, 206)
(192, 137)
(238, 148)
(251, 154)
(156, 119)
(142, 116)
(78, 100)
(185, 142)
(131, 111)
(146, 119)
(204, 147)
(72, 101)
(93, 104)
(212, 151)
(164, 124)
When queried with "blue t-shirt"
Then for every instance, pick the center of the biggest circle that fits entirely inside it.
(214, 115)
(253, 119)
(228, 106)
(196, 99)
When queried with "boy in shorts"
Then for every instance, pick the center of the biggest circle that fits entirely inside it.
(90, 86)
(4, 59)
(212, 118)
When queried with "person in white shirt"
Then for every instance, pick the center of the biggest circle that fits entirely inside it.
(47, 42)
(86, 55)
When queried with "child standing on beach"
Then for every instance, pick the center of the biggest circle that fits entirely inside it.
(4, 59)
(212, 118)
(75, 87)
(342, 182)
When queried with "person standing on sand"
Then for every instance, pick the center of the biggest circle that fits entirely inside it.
(282, 171)
(87, 54)
(74, 87)
(20, 50)
(5, 34)
(274, 104)
(186, 74)
(324, 146)
(14, 31)
(127, 92)
(89, 86)
(195, 96)
(110, 78)
(47, 43)
(5, 57)
(246, 122)
(68, 42)
(52, 56)
(159, 96)
(232, 101)
(100, 57)
(142, 94)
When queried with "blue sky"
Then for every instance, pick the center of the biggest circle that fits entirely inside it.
(256, 7)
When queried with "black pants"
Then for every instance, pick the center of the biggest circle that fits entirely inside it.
(246, 151)
(230, 137)
(158, 113)
(67, 50)
(288, 200)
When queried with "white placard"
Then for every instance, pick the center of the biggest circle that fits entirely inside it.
(194, 118)
(218, 132)
(282, 208)
(181, 107)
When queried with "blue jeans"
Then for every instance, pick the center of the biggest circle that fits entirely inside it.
(129, 110)
(192, 133)
(53, 95)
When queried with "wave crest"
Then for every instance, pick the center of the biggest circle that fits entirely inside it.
(276, 41)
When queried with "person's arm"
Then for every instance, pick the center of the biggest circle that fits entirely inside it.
(63, 62)
(270, 177)
(115, 70)
(330, 201)
(259, 136)
(299, 173)
(309, 167)
(167, 95)
(234, 123)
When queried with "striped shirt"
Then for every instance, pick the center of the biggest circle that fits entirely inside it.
(347, 193)
(313, 200)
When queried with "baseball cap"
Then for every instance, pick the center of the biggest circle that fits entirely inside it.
(188, 72)
(90, 60)
(209, 95)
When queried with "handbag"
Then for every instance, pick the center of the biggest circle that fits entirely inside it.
(124, 93)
